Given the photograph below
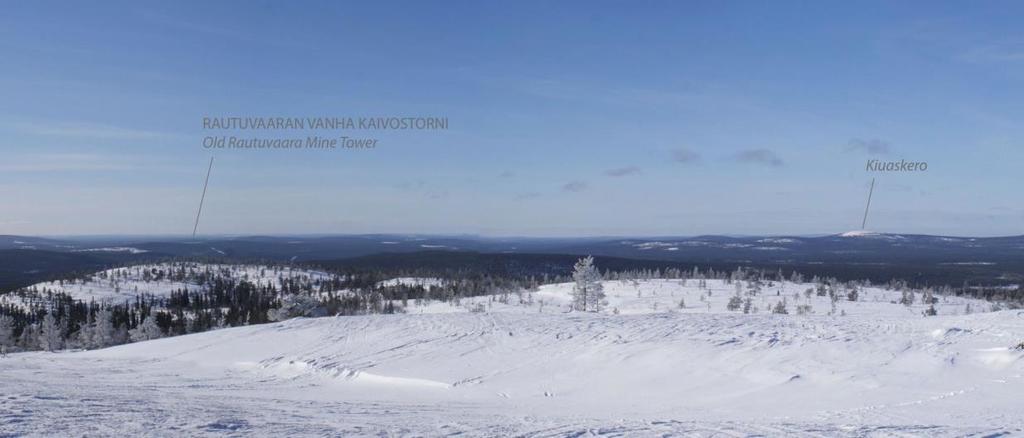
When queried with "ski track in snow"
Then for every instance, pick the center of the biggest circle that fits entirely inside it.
(532, 371)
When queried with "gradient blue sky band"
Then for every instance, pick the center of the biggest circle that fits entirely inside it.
(565, 118)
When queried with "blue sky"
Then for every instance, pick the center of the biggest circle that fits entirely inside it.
(566, 118)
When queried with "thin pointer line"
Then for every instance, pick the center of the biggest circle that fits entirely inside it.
(871, 192)
(205, 184)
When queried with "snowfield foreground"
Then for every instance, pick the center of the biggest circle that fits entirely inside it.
(883, 369)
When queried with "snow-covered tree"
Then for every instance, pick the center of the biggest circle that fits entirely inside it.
(49, 333)
(83, 338)
(853, 294)
(296, 305)
(103, 332)
(588, 293)
(928, 297)
(907, 298)
(780, 308)
(146, 331)
(735, 303)
(6, 332)
(29, 339)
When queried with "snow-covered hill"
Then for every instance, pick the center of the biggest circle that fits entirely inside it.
(859, 233)
(119, 284)
(524, 368)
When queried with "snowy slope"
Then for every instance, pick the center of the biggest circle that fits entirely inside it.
(881, 370)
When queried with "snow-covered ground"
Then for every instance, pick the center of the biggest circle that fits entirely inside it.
(656, 296)
(527, 369)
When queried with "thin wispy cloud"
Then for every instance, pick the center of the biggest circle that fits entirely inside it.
(575, 186)
(213, 29)
(85, 130)
(873, 146)
(960, 43)
(411, 185)
(682, 155)
(764, 157)
(622, 171)
(527, 195)
(506, 174)
(1008, 52)
(66, 162)
(695, 96)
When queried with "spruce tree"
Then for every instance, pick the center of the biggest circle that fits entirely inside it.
(588, 293)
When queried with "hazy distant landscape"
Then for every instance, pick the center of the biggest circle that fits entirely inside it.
(934, 260)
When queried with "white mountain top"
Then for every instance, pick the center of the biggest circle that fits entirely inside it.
(859, 233)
